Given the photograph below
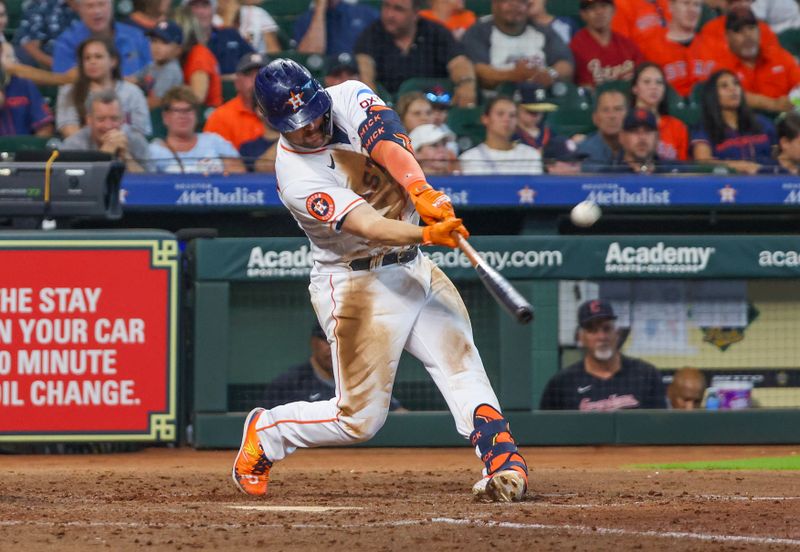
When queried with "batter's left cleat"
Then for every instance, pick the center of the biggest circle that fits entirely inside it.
(506, 472)
(251, 468)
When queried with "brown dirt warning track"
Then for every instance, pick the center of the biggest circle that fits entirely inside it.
(580, 498)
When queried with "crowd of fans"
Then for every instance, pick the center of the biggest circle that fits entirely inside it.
(143, 86)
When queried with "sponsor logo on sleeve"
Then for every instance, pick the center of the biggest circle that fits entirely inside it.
(320, 206)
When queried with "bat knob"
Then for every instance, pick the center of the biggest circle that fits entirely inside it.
(525, 314)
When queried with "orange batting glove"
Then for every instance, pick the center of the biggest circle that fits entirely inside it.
(442, 233)
(432, 205)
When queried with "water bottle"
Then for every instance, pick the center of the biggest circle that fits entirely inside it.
(712, 399)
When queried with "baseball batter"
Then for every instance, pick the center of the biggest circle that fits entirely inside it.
(347, 173)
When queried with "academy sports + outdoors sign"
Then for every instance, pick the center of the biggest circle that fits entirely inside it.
(527, 257)
(88, 336)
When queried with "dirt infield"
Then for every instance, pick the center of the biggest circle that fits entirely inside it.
(396, 499)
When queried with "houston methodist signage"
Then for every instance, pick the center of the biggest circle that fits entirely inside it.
(88, 336)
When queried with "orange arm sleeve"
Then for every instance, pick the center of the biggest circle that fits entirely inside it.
(399, 162)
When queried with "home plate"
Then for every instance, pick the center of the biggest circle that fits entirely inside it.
(296, 508)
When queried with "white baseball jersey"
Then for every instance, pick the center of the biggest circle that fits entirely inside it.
(369, 316)
(320, 186)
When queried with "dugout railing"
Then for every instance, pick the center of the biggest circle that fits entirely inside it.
(251, 317)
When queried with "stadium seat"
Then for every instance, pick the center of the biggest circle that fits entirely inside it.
(159, 130)
(50, 95)
(621, 85)
(12, 144)
(480, 7)
(465, 122)
(228, 90)
(424, 85)
(685, 109)
(575, 104)
(790, 40)
(564, 7)
(285, 31)
(285, 7)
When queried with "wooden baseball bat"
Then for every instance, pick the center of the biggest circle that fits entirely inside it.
(500, 288)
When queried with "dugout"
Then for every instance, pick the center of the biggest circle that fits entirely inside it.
(251, 315)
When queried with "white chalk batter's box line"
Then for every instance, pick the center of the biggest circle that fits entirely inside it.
(562, 528)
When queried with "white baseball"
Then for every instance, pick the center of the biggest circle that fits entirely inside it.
(585, 213)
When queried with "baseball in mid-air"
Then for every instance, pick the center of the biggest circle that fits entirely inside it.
(585, 213)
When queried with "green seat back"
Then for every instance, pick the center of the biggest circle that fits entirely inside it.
(465, 122)
(790, 40)
(12, 144)
(228, 90)
(480, 7)
(575, 105)
(424, 85)
(569, 8)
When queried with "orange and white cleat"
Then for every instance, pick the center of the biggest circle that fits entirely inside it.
(251, 468)
(506, 472)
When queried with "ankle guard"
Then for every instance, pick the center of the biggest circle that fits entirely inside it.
(496, 446)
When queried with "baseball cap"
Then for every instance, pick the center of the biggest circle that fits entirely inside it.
(637, 118)
(738, 18)
(594, 309)
(588, 3)
(252, 60)
(427, 134)
(168, 31)
(531, 97)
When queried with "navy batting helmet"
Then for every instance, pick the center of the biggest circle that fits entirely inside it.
(289, 97)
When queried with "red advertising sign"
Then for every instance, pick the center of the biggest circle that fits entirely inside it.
(87, 339)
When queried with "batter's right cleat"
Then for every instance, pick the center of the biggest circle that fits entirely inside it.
(506, 472)
(251, 468)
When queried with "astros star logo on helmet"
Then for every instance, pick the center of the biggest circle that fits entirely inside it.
(296, 100)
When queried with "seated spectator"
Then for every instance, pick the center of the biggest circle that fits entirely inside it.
(39, 26)
(600, 54)
(96, 19)
(649, 92)
(255, 25)
(451, 14)
(400, 45)
(431, 149)
(565, 27)
(185, 151)
(164, 72)
(440, 102)
(331, 27)
(788, 128)
(639, 143)
(341, 73)
(23, 111)
(99, 70)
(414, 109)
(602, 147)
(236, 120)
(730, 132)
(499, 154)
(106, 131)
(531, 128)
(311, 381)
(687, 389)
(259, 153)
(147, 14)
(605, 379)
(634, 19)
(714, 31)
(200, 66)
(685, 57)
(506, 48)
(767, 74)
(227, 45)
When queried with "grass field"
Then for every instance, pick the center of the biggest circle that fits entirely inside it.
(784, 463)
